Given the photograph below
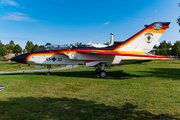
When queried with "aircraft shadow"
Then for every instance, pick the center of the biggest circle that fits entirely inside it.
(82, 74)
(71, 108)
(171, 73)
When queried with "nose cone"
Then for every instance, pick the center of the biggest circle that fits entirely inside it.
(20, 58)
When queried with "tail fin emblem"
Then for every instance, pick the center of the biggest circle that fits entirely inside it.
(148, 37)
(157, 26)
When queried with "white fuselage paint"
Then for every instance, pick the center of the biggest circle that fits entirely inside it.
(78, 60)
(117, 59)
(53, 59)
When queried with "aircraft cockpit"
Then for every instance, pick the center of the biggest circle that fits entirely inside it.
(53, 47)
(56, 47)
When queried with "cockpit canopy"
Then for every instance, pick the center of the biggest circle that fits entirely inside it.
(56, 47)
(53, 47)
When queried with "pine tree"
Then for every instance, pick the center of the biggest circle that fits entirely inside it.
(29, 46)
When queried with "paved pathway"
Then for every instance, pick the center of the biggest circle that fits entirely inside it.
(22, 71)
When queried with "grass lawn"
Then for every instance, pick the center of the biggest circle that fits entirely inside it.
(138, 91)
(13, 66)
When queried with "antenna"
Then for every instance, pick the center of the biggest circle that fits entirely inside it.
(111, 40)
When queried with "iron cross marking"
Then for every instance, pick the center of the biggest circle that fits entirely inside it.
(54, 59)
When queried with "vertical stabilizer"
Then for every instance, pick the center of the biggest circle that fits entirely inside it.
(144, 40)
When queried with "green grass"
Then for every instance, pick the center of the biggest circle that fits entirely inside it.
(13, 66)
(138, 91)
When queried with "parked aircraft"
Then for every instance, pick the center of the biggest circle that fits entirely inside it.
(98, 45)
(133, 50)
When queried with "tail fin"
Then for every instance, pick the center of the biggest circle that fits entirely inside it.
(144, 40)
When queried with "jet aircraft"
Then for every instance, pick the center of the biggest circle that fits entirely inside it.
(133, 50)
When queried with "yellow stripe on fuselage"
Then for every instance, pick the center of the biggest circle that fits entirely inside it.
(131, 52)
(154, 31)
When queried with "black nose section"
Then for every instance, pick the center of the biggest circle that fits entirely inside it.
(20, 58)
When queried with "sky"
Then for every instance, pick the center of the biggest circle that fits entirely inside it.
(72, 21)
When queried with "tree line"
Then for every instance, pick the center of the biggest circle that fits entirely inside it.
(16, 48)
(174, 51)
(10, 48)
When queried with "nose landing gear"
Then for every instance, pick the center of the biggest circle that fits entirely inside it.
(49, 67)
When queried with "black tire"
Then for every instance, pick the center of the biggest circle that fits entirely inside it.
(48, 73)
(98, 70)
(102, 74)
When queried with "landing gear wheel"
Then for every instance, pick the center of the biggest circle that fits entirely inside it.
(102, 74)
(48, 73)
(98, 70)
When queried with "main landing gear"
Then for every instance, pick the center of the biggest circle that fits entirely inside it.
(100, 71)
(49, 67)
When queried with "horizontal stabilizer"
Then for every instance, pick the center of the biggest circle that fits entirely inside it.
(150, 59)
